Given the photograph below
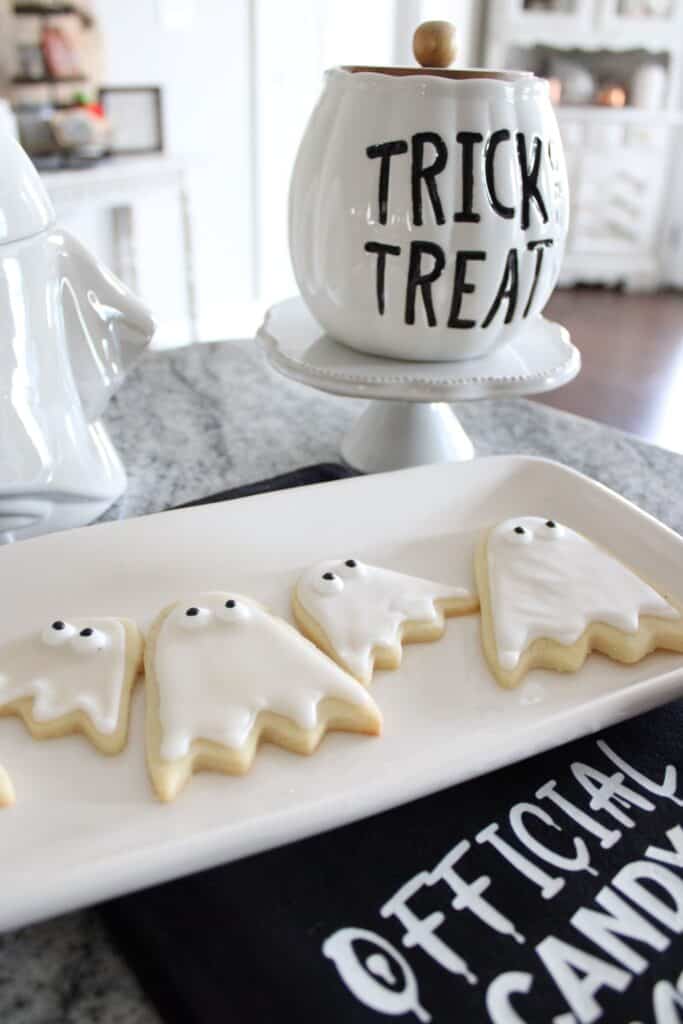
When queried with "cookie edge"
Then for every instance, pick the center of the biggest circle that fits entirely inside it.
(384, 656)
(168, 778)
(79, 721)
(653, 634)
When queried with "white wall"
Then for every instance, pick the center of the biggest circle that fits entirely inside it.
(466, 15)
(203, 67)
(294, 42)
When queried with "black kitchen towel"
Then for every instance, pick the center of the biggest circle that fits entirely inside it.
(551, 890)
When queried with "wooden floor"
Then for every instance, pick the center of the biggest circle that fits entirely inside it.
(632, 353)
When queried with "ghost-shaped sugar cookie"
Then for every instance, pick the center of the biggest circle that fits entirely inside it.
(222, 673)
(549, 596)
(73, 676)
(6, 789)
(361, 615)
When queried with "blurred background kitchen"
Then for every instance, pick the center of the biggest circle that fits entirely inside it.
(166, 131)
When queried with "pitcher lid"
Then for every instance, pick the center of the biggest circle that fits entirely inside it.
(435, 49)
(25, 207)
(455, 74)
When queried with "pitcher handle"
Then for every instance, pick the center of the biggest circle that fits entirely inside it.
(107, 326)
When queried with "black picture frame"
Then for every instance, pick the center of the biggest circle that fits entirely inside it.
(134, 112)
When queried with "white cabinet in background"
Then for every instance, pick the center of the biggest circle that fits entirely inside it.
(593, 24)
(619, 159)
(565, 16)
(616, 19)
(133, 212)
(618, 177)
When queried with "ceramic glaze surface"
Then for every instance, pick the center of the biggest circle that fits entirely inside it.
(428, 215)
(25, 207)
(69, 330)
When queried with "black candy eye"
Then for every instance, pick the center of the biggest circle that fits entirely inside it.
(86, 632)
(351, 562)
(551, 523)
(58, 624)
(519, 529)
(233, 611)
(328, 583)
(195, 617)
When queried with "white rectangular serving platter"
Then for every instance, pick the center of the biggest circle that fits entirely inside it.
(87, 827)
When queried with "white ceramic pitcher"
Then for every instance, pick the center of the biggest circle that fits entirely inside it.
(69, 331)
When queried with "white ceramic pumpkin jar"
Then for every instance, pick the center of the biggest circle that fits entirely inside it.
(428, 209)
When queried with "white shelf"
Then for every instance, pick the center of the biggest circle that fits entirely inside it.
(616, 40)
(586, 25)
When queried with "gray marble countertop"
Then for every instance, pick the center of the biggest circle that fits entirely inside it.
(199, 420)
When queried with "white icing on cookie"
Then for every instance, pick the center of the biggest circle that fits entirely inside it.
(69, 666)
(213, 682)
(57, 633)
(327, 583)
(367, 606)
(234, 611)
(195, 617)
(87, 640)
(549, 581)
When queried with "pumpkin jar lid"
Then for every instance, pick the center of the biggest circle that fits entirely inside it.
(435, 49)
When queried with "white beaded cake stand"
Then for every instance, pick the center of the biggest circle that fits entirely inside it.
(409, 422)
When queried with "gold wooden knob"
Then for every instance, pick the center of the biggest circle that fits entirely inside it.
(434, 44)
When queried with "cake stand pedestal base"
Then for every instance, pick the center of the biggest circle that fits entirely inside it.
(395, 434)
(409, 422)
